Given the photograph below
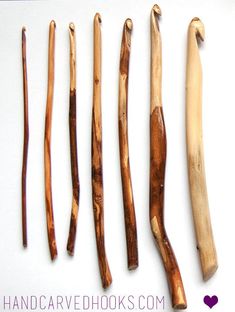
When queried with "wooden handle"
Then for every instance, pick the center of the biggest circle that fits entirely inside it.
(47, 144)
(157, 169)
(26, 140)
(73, 142)
(196, 170)
(128, 200)
(97, 173)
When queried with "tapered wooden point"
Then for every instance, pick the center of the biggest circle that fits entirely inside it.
(108, 281)
(180, 306)
(210, 271)
(133, 266)
(53, 258)
(70, 253)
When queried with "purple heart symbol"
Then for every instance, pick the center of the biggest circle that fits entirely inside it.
(210, 301)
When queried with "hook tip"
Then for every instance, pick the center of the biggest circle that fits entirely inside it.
(98, 18)
(72, 26)
(52, 23)
(157, 10)
(197, 24)
(129, 24)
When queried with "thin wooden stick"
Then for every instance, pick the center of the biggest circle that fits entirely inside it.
(73, 142)
(128, 200)
(47, 144)
(157, 169)
(26, 141)
(196, 169)
(97, 173)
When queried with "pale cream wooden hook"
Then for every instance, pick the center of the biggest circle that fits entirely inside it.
(196, 169)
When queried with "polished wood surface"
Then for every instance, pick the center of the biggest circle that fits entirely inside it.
(196, 166)
(26, 141)
(73, 142)
(157, 169)
(47, 144)
(128, 200)
(97, 171)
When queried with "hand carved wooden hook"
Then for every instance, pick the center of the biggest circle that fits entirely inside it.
(128, 200)
(157, 169)
(73, 142)
(196, 170)
(47, 144)
(97, 171)
(26, 141)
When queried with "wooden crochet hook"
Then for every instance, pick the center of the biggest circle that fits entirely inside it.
(97, 172)
(128, 200)
(73, 142)
(196, 169)
(47, 143)
(26, 141)
(157, 169)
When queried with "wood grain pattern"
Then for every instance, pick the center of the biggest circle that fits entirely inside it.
(196, 168)
(47, 144)
(26, 141)
(97, 172)
(128, 200)
(73, 142)
(157, 169)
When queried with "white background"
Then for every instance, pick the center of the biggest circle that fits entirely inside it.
(30, 272)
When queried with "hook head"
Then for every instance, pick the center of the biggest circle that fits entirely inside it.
(197, 24)
(156, 9)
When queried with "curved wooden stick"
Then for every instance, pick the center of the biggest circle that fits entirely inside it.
(196, 169)
(73, 142)
(26, 141)
(47, 144)
(157, 169)
(97, 173)
(128, 200)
